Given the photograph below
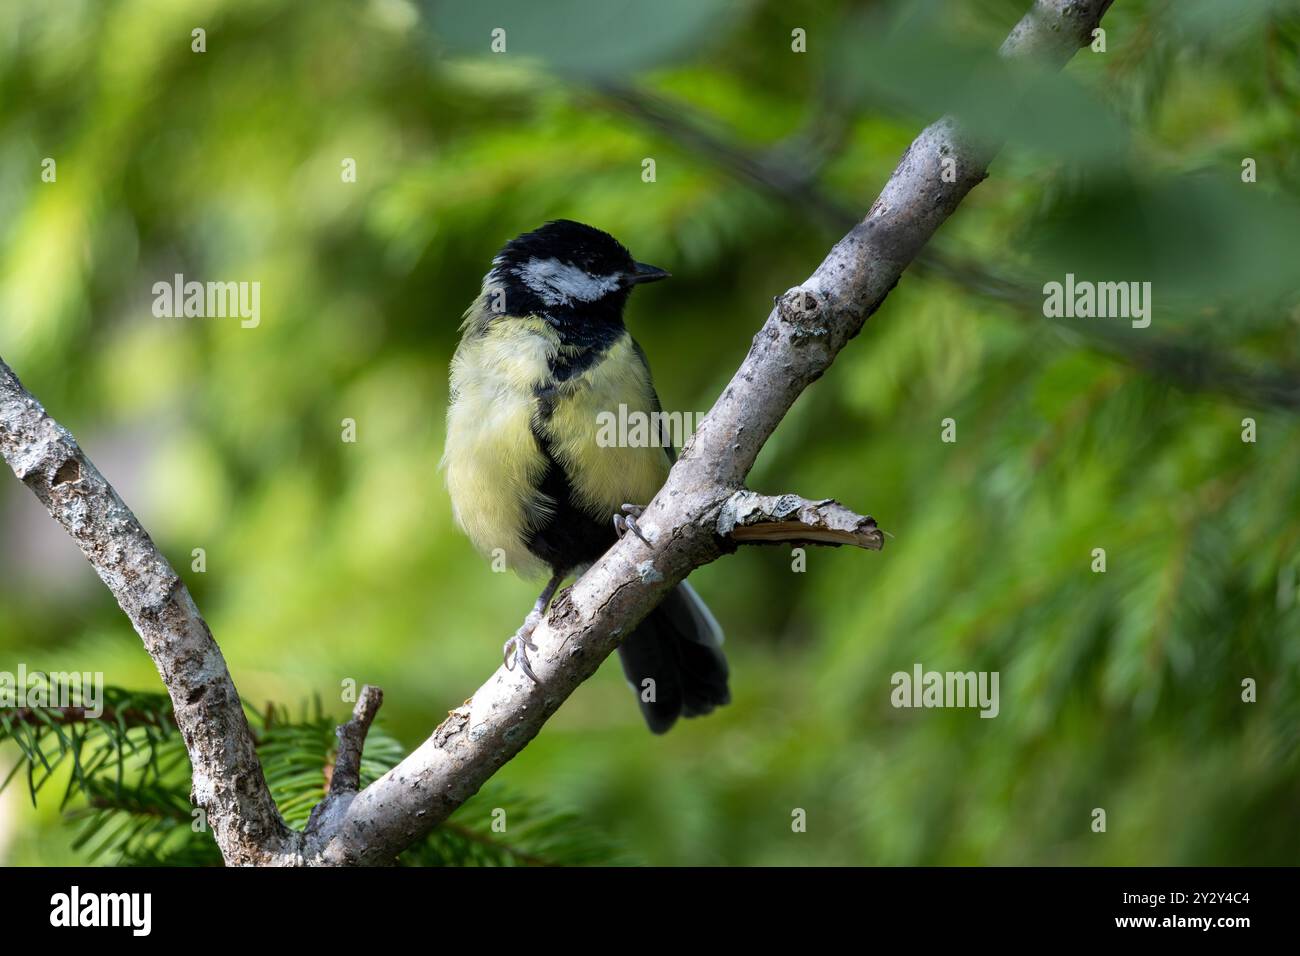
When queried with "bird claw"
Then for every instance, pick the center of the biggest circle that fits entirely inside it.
(515, 651)
(625, 521)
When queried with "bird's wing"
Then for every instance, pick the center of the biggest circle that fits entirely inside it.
(656, 405)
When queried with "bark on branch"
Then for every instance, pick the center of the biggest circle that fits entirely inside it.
(750, 518)
(779, 174)
(227, 777)
(702, 511)
(346, 777)
(795, 346)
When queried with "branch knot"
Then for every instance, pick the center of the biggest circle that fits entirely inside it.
(806, 312)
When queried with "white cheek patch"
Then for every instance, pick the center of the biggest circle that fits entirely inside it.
(558, 283)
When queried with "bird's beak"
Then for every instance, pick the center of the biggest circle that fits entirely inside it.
(645, 273)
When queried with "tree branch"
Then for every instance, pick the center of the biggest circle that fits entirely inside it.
(798, 342)
(76, 714)
(228, 780)
(1191, 367)
(750, 518)
(346, 777)
(694, 519)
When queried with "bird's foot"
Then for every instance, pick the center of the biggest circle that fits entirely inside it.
(625, 521)
(516, 649)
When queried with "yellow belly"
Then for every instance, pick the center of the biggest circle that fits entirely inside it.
(492, 460)
(605, 476)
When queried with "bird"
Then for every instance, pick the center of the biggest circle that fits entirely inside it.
(543, 352)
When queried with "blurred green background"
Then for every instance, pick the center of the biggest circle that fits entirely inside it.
(329, 561)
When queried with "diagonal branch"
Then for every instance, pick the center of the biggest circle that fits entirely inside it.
(1191, 367)
(798, 342)
(692, 521)
(228, 780)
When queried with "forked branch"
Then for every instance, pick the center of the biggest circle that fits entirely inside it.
(702, 512)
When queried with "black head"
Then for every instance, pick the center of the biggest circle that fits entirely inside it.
(565, 270)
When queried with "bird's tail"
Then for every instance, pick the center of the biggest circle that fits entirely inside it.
(674, 662)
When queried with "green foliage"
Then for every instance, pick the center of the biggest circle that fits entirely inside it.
(133, 744)
(328, 561)
(532, 836)
(129, 789)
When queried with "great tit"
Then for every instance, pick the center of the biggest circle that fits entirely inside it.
(543, 353)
